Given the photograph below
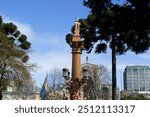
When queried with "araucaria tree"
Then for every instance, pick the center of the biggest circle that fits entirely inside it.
(13, 56)
(121, 27)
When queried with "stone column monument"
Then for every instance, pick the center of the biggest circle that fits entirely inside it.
(76, 46)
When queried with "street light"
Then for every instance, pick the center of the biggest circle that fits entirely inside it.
(85, 73)
(66, 73)
(75, 84)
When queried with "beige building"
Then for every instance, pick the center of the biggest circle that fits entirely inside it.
(98, 86)
(25, 94)
(91, 90)
(106, 91)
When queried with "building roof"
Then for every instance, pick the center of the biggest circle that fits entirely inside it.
(89, 64)
(137, 67)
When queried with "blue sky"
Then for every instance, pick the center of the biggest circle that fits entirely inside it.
(46, 22)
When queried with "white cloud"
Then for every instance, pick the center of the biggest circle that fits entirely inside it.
(48, 61)
(25, 29)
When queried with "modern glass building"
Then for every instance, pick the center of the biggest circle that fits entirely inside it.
(137, 78)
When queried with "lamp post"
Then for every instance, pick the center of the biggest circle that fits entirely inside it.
(74, 85)
(85, 73)
(76, 81)
(66, 73)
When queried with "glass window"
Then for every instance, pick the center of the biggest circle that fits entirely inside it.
(142, 88)
(136, 89)
(135, 71)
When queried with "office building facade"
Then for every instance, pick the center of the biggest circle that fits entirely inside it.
(137, 79)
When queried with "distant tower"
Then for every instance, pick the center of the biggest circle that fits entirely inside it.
(86, 59)
(44, 89)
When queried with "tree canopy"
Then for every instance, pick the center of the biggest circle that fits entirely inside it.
(128, 23)
(14, 49)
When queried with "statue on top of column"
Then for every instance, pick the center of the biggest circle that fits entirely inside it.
(77, 27)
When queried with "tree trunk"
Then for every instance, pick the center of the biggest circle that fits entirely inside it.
(113, 67)
(1, 96)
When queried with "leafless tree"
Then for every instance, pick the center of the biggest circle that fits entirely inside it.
(56, 84)
(27, 90)
(98, 75)
(55, 79)
(104, 75)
